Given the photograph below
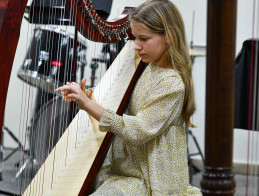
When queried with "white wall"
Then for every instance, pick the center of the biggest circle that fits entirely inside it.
(188, 8)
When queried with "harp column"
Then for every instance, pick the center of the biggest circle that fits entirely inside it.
(11, 13)
(221, 39)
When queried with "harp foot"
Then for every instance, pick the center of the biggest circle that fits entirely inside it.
(218, 181)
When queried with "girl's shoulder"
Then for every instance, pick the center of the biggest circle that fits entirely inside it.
(164, 71)
(166, 78)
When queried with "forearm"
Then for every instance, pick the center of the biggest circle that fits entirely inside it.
(94, 109)
(133, 129)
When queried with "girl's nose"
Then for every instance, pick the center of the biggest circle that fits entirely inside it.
(137, 46)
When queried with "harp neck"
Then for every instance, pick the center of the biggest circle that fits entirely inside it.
(93, 27)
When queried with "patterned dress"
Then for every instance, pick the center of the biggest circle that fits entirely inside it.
(149, 153)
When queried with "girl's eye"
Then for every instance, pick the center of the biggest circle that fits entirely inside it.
(143, 39)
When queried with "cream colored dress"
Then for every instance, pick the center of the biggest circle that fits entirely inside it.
(149, 153)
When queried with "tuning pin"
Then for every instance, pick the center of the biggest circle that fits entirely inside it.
(125, 33)
(118, 38)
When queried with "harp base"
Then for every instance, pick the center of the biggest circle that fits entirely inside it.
(218, 181)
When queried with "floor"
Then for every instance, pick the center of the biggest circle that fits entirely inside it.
(10, 169)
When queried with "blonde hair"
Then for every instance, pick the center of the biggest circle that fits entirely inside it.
(163, 17)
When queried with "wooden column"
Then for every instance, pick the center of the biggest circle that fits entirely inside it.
(11, 13)
(221, 33)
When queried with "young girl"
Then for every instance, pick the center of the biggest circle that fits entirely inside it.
(148, 155)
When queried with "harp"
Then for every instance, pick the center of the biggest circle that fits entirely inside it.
(218, 126)
(91, 26)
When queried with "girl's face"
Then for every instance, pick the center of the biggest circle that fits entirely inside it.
(150, 46)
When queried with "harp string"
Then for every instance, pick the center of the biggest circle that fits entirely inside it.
(255, 105)
(253, 118)
(42, 98)
(47, 41)
(26, 114)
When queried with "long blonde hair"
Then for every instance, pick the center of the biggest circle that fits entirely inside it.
(163, 17)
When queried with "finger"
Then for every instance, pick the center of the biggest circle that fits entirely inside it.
(71, 97)
(59, 90)
(65, 92)
(63, 88)
(88, 92)
(65, 99)
(82, 85)
(68, 83)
